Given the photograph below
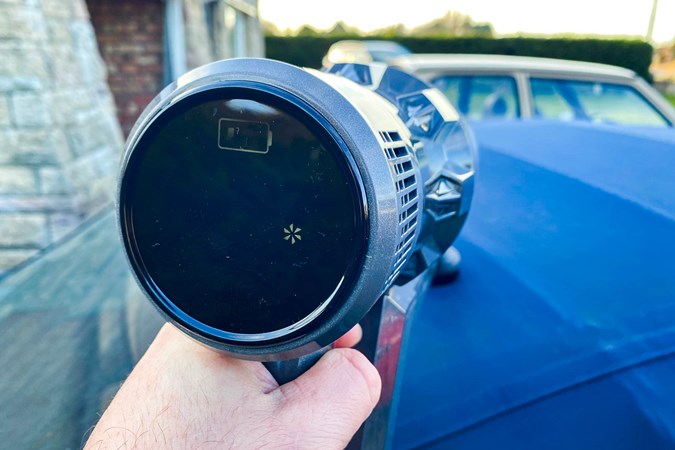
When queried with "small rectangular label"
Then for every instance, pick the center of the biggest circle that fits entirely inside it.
(244, 136)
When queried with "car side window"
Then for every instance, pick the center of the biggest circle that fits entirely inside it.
(548, 102)
(593, 101)
(481, 97)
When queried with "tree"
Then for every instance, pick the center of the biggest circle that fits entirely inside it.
(341, 29)
(269, 29)
(391, 31)
(453, 23)
(308, 30)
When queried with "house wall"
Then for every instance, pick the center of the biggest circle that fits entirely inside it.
(59, 137)
(197, 37)
(130, 36)
(62, 102)
(215, 29)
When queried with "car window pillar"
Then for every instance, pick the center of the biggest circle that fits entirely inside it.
(524, 94)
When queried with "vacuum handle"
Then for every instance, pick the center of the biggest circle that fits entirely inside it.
(285, 371)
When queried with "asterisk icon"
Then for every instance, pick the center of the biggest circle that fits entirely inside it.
(292, 234)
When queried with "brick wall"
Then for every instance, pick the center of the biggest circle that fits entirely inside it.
(59, 139)
(130, 35)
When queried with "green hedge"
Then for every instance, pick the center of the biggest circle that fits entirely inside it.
(671, 99)
(307, 51)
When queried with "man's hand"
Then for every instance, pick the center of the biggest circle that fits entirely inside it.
(185, 396)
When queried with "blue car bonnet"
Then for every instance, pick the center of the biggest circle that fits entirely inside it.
(560, 331)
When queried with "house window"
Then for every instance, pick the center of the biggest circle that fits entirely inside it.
(234, 29)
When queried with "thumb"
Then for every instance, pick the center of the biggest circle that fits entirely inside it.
(329, 402)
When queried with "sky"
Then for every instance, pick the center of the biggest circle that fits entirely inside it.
(603, 17)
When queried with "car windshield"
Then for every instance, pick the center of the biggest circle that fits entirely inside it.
(592, 101)
(385, 55)
(481, 97)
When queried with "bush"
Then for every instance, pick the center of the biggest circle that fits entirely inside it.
(307, 51)
(671, 99)
(303, 51)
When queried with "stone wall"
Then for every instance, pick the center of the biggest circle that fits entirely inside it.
(59, 137)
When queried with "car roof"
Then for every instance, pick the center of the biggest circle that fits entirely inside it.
(464, 62)
(565, 298)
(368, 44)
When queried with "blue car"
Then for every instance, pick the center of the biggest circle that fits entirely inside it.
(560, 330)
